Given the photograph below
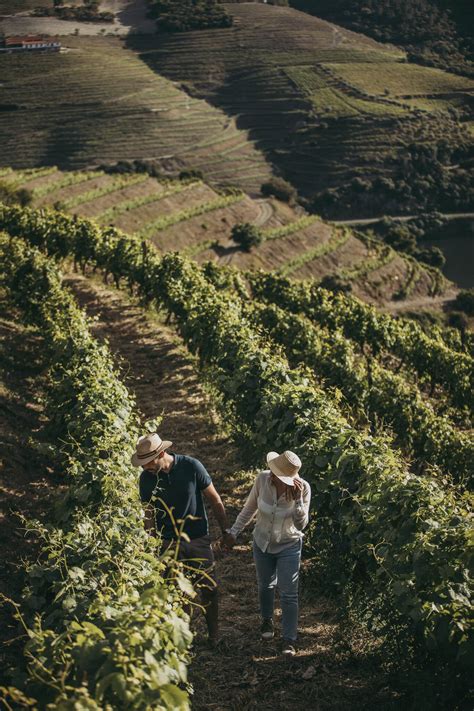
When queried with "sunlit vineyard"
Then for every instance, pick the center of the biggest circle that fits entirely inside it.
(230, 226)
(404, 497)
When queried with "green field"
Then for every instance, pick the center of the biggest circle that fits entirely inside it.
(330, 101)
(232, 105)
(400, 79)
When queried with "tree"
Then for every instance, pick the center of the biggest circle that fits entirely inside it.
(279, 188)
(11, 196)
(431, 255)
(336, 284)
(247, 235)
(464, 301)
(185, 15)
(459, 321)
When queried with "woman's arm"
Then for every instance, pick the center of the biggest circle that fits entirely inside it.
(249, 510)
(301, 511)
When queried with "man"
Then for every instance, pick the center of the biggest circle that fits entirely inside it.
(172, 488)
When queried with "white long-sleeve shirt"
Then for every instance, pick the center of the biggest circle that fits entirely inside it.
(280, 522)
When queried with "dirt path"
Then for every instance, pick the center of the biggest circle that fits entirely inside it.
(26, 486)
(335, 667)
(266, 212)
(401, 218)
(420, 303)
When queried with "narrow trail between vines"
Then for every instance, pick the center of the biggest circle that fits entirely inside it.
(336, 667)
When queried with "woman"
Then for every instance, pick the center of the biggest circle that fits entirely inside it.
(281, 501)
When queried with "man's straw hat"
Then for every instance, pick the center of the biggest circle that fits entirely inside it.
(285, 466)
(148, 448)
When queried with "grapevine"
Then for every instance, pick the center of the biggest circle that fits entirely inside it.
(400, 537)
(109, 626)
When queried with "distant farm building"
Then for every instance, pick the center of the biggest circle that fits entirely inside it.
(30, 43)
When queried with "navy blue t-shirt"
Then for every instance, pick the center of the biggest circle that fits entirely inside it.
(180, 489)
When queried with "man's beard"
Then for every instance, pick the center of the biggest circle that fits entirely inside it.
(155, 468)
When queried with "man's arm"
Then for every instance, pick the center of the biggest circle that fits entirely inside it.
(215, 502)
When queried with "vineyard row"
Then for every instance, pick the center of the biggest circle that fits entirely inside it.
(123, 181)
(374, 392)
(65, 181)
(165, 221)
(336, 241)
(132, 204)
(430, 357)
(111, 630)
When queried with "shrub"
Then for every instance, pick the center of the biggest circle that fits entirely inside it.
(11, 196)
(191, 174)
(133, 166)
(185, 15)
(79, 14)
(464, 301)
(460, 321)
(335, 283)
(247, 235)
(431, 255)
(279, 188)
(361, 185)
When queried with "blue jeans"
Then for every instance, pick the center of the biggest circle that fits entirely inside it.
(280, 569)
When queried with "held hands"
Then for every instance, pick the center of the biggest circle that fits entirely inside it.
(223, 546)
(228, 540)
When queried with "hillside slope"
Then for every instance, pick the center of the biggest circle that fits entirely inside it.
(100, 103)
(435, 32)
(192, 217)
(282, 74)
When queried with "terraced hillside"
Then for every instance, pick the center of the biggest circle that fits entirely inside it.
(325, 104)
(101, 103)
(9, 7)
(192, 217)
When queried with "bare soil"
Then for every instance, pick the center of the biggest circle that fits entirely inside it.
(336, 666)
(130, 18)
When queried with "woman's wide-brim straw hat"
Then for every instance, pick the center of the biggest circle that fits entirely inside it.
(148, 448)
(285, 466)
